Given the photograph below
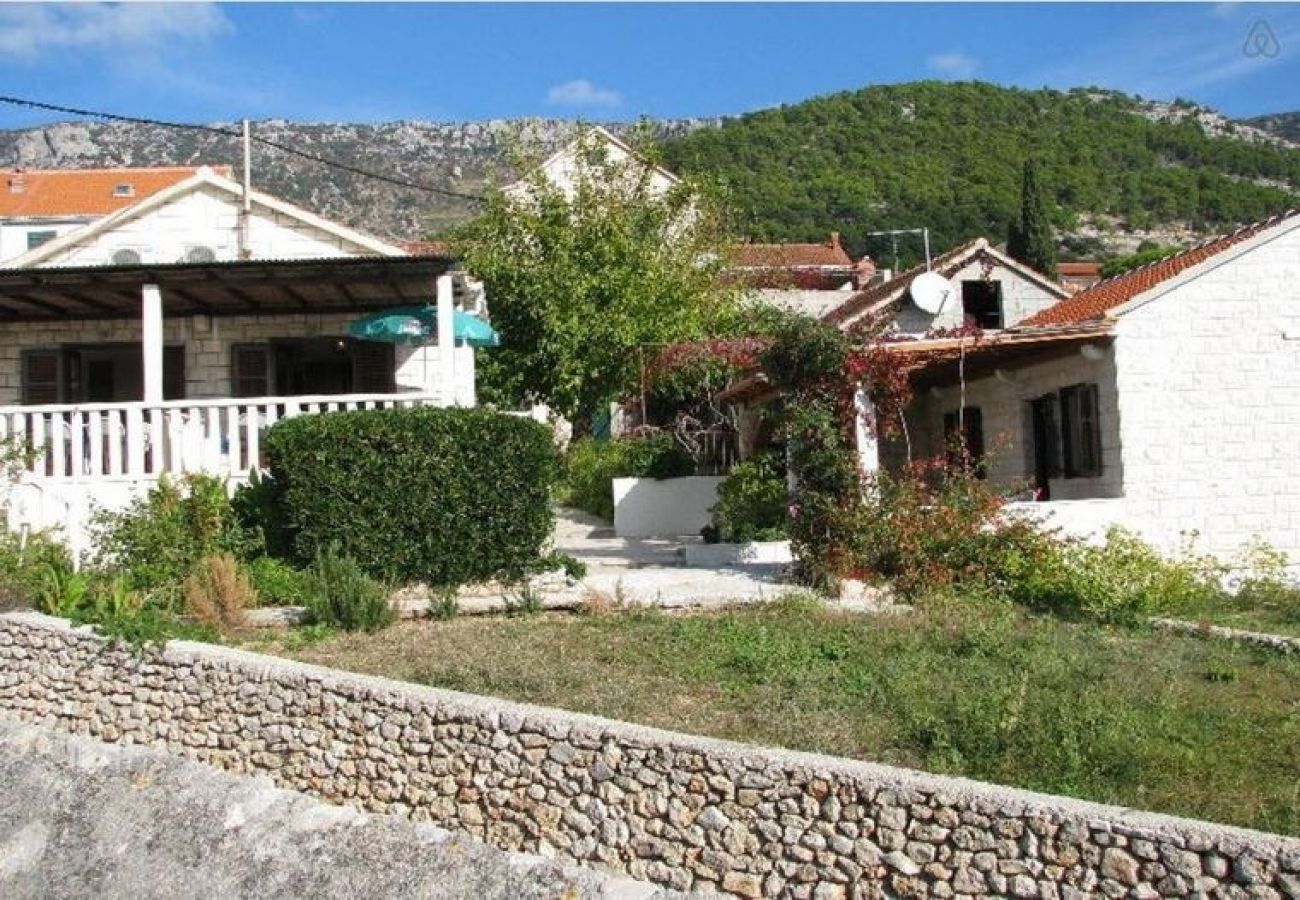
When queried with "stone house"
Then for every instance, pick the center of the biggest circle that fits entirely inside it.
(167, 335)
(1166, 399)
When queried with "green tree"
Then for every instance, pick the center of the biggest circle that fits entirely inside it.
(1030, 238)
(587, 277)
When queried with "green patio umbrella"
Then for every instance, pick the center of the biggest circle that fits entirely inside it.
(419, 325)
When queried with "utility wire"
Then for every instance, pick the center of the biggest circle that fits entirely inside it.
(227, 132)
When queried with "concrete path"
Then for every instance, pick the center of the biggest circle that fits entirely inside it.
(651, 570)
(81, 818)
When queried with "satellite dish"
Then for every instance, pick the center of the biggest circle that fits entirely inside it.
(930, 291)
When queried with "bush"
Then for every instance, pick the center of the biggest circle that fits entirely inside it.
(26, 566)
(159, 538)
(591, 467)
(442, 496)
(218, 591)
(752, 502)
(278, 583)
(343, 596)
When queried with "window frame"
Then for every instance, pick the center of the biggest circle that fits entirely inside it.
(998, 300)
(1081, 450)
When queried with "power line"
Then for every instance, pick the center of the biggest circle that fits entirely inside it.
(226, 132)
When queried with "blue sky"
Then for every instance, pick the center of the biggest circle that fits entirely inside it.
(375, 62)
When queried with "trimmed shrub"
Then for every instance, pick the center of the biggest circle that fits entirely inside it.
(591, 467)
(344, 596)
(443, 496)
(753, 502)
(218, 591)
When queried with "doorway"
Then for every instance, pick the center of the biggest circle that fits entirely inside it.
(1046, 438)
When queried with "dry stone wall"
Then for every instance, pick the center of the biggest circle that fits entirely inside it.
(685, 812)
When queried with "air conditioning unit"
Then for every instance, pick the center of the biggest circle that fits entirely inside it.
(126, 257)
(200, 254)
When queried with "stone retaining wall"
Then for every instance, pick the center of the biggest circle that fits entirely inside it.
(686, 812)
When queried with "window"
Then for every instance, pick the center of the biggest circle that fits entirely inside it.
(41, 376)
(981, 302)
(36, 238)
(123, 190)
(1080, 431)
(250, 370)
(963, 438)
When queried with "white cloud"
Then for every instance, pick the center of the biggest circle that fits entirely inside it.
(29, 32)
(952, 65)
(582, 92)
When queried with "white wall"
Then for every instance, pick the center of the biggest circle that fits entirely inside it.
(13, 233)
(209, 217)
(1021, 298)
(1209, 390)
(669, 507)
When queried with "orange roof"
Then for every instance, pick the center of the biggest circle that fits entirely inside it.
(790, 256)
(50, 193)
(425, 248)
(1094, 302)
(1078, 269)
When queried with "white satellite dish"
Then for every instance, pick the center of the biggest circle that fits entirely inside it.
(930, 291)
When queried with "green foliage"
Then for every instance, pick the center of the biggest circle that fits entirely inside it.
(591, 466)
(1030, 237)
(343, 596)
(277, 582)
(442, 496)
(1142, 257)
(951, 156)
(26, 567)
(582, 280)
(752, 502)
(158, 538)
(443, 606)
(258, 510)
(62, 592)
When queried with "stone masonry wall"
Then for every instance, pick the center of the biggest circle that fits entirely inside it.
(689, 813)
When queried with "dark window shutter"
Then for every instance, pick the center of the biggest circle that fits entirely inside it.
(373, 368)
(41, 371)
(174, 373)
(1081, 431)
(250, 370)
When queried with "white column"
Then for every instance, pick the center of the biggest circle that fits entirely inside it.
(446, 341)
(864, 432)
(151, 342)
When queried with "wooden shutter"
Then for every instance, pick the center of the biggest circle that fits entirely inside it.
(41, 376)
(373, 368)
(174, 373)
(250, 370)
(1081, 431)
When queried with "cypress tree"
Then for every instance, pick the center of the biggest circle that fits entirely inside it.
(1029, 239)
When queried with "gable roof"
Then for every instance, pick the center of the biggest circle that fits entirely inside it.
(558, 158)
(791, 256)
(61, 193)
(203, 177)
(878, 296)
(1106, 297)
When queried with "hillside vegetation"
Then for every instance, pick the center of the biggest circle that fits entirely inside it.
(950, 156)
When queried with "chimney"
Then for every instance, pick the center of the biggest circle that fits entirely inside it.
(863, 272)
(835, 240)
(17, 183)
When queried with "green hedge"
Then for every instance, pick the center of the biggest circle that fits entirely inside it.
(443, 496)
(592, 466)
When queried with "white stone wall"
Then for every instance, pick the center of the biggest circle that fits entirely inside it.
(207, 342)
(208, 217)
(1209, 387)
(1004, 406)
(1021, 298)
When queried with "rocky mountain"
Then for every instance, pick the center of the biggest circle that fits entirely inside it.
(1123, 171)
(1284, 125)
(459, 157)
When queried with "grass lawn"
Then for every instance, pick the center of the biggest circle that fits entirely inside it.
(1164, 722)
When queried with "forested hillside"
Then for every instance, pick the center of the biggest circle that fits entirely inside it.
(949, 156)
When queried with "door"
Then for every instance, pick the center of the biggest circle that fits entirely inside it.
(1046, 438)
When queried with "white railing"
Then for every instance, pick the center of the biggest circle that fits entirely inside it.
(92, 441)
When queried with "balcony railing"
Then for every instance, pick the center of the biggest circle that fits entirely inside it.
(92, 441)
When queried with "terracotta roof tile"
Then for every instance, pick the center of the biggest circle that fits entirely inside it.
(896, 286)
(425, 248)
(50, 193)
(1096, 301)
(791, 256)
